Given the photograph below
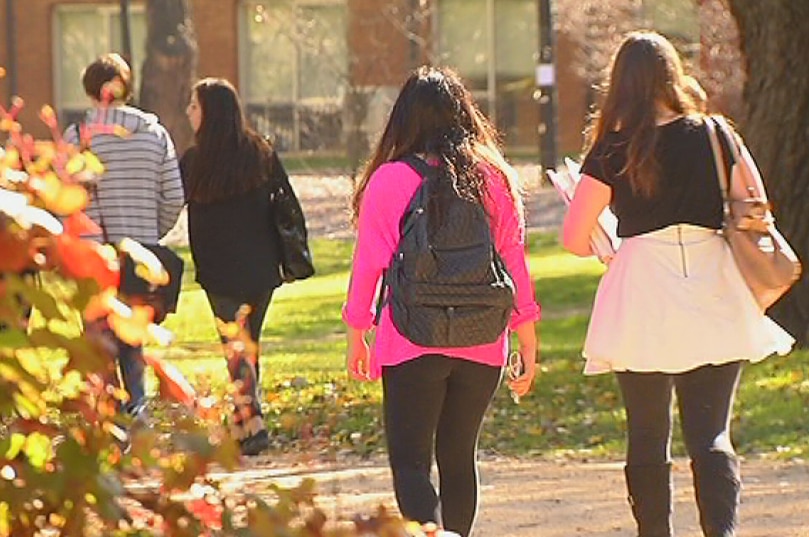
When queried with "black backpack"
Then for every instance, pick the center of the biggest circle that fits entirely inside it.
(446, 284)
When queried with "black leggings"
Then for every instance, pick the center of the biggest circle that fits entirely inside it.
(705, 400)
(248, 420)
(226, 308)
(437, 402)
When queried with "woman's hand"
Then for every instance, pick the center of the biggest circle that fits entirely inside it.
(529, 355)
(358, 355)
(521, 385)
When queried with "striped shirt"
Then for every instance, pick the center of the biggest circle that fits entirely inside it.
(140, 193)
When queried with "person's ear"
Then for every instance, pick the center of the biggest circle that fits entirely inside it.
(114, 91)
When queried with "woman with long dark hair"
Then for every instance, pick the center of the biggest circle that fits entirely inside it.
(227, 177)
(435, 397)
(672, 313)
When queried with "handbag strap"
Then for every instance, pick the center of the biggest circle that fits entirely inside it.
(736, 145)
(719, 162)
(720, 126)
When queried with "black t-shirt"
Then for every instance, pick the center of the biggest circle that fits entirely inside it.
(688, 188)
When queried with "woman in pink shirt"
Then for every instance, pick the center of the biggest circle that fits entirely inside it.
(435, 397)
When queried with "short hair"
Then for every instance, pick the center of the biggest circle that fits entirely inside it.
(106, 69)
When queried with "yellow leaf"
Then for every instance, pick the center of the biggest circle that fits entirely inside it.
(5, 520)
(133, 328)
(70, 199)
(92, 163)
(46, 112)
(229, 330)
(75, 164)
(46, 186)
(45, 149)
(147, 264)
(38, 449)
(9, 125)
(12, 156)
(59, 198)
(15, 445)
(120, 131)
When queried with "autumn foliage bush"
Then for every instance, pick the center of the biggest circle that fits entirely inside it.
(70, 463)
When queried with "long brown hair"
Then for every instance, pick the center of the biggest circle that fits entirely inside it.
(646, 72)
(436, 115)
(230, 157)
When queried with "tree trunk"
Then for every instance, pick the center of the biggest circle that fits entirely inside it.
(126, 32)
(170, 66)
(774, 40)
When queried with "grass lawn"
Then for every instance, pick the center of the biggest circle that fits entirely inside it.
(310, 402)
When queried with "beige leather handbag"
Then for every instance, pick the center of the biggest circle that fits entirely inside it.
(765, 259)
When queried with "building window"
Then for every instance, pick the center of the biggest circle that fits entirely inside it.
(82, 33)
(294, 69)
(493, 44)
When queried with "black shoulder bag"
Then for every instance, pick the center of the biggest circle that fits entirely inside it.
(289, 222)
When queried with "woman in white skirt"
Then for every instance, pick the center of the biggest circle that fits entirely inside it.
(672, 311)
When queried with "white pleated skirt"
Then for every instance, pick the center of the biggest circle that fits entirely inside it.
(673, 300)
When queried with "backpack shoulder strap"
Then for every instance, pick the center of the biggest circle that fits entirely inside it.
(419, 198)
(406, 222)
(420, 166)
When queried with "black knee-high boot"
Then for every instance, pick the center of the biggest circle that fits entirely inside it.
(650, 495)
(717, 487)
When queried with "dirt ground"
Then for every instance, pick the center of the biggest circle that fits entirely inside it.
(528, 498)
(525, 497)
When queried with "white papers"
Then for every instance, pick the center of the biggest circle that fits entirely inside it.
(604, 240)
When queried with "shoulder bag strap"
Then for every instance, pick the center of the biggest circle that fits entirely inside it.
(726, 132)
(719, 162)
(718, 157)
(735, 145)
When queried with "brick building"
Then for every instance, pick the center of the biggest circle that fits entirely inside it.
(316, 74)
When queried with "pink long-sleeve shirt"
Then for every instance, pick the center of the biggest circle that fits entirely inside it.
(384, 201)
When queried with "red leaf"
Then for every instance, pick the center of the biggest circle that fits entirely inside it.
(172, 383)
(78, 224)
(210, 514)
(13, 251)
(79, 258)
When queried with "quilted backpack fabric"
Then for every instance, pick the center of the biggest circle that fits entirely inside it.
(446, 285)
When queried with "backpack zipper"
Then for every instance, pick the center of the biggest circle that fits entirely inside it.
(682, 251)
(450, 321)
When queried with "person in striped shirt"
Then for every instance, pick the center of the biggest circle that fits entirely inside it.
(139, 194)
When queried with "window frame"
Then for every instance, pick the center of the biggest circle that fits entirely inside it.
(487, 97)
(300, 107)
(108, 12)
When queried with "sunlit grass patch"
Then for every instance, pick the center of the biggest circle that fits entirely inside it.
(311, 404)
